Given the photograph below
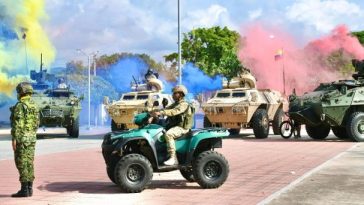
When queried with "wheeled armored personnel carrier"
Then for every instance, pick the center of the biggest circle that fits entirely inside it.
(58, 107)
(336, 105)
(140, 99)
(241, 105)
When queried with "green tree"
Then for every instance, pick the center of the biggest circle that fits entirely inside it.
(213, 50)
(359, 35)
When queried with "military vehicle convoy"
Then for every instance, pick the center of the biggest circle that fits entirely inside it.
(58, 107)
(140, 99)
(241, 105)
(336, 105)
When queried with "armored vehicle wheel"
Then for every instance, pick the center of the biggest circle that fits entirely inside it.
(318, 132)
(133, 173)
(187, 173)
(340, 132)
(355, 126)
(206, 122)
(260, 123)
(210, 169)
(110, 173)
(286, 129)
(114, 126)
(234, 131)
(277, 121)
(73, 129)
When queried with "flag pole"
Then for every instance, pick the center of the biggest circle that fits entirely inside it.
(284, 77)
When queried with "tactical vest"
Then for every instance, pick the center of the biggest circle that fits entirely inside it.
(184, 120)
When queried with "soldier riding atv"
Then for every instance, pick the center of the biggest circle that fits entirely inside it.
(132, 156)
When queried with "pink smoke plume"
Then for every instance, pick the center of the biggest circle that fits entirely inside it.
(304, 68)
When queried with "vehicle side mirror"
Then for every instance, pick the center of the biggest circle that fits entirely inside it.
(164, 102)
(155, 103)
(343, 89)
(106, 100)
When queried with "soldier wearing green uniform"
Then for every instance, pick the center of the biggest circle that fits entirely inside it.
(24, 124)
(180, 121)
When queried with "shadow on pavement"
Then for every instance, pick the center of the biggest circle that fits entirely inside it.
(108, 187)
(172, 184)
(81, 187)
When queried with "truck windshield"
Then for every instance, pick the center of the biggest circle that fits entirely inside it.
(223, 95)
(128, 97)
(238, 94)
(142, 97)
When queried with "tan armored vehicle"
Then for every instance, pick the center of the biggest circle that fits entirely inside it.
(240, 105)
(142, 98)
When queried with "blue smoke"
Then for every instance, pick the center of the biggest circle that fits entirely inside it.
(120, 75)
(197, 82)
(6, 33)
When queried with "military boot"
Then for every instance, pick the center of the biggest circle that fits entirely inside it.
(23, 192)
(30, 188)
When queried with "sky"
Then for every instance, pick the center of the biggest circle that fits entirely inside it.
(150, 27)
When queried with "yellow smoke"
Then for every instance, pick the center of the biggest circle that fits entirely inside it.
(26, 17)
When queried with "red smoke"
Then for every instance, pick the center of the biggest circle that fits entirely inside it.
(304, 68)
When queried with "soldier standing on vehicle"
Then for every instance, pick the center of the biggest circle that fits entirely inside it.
(24, 124)
(179, 122)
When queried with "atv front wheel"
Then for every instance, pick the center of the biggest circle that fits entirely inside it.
(133, 173)
(260, 124)
(187, 173)
(286, 129)
(319, 132)
(210, 169)
(110, 173)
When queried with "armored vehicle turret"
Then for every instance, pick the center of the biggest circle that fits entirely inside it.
(337, 105)
(241, 105)
(140, 99)
(59, 107)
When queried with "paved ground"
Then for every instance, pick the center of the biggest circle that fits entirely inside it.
(260, 171)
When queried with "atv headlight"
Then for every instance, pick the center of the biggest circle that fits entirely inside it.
(72, 102)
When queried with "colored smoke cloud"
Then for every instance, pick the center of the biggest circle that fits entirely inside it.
(16, 18)
(196, 81)
(304, 67)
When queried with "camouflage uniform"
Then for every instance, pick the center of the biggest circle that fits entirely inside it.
(180, 122)
(24, 120)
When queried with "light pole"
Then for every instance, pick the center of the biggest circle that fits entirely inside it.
(89, 85)
(179, 45)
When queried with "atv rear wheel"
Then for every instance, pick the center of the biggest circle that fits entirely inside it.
(340, 132)
(277, 121)
(133, 173)
(355, 126)
(260, 123)
(210, 169)
(206, 122)
(319, 132)
(187, 173)
(73, 129)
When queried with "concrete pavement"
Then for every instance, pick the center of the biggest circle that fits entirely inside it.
(259, 169)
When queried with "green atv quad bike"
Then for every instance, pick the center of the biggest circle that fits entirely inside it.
(132, 156)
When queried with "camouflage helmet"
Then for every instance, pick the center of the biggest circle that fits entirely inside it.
(24, 88)
(181, 89)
